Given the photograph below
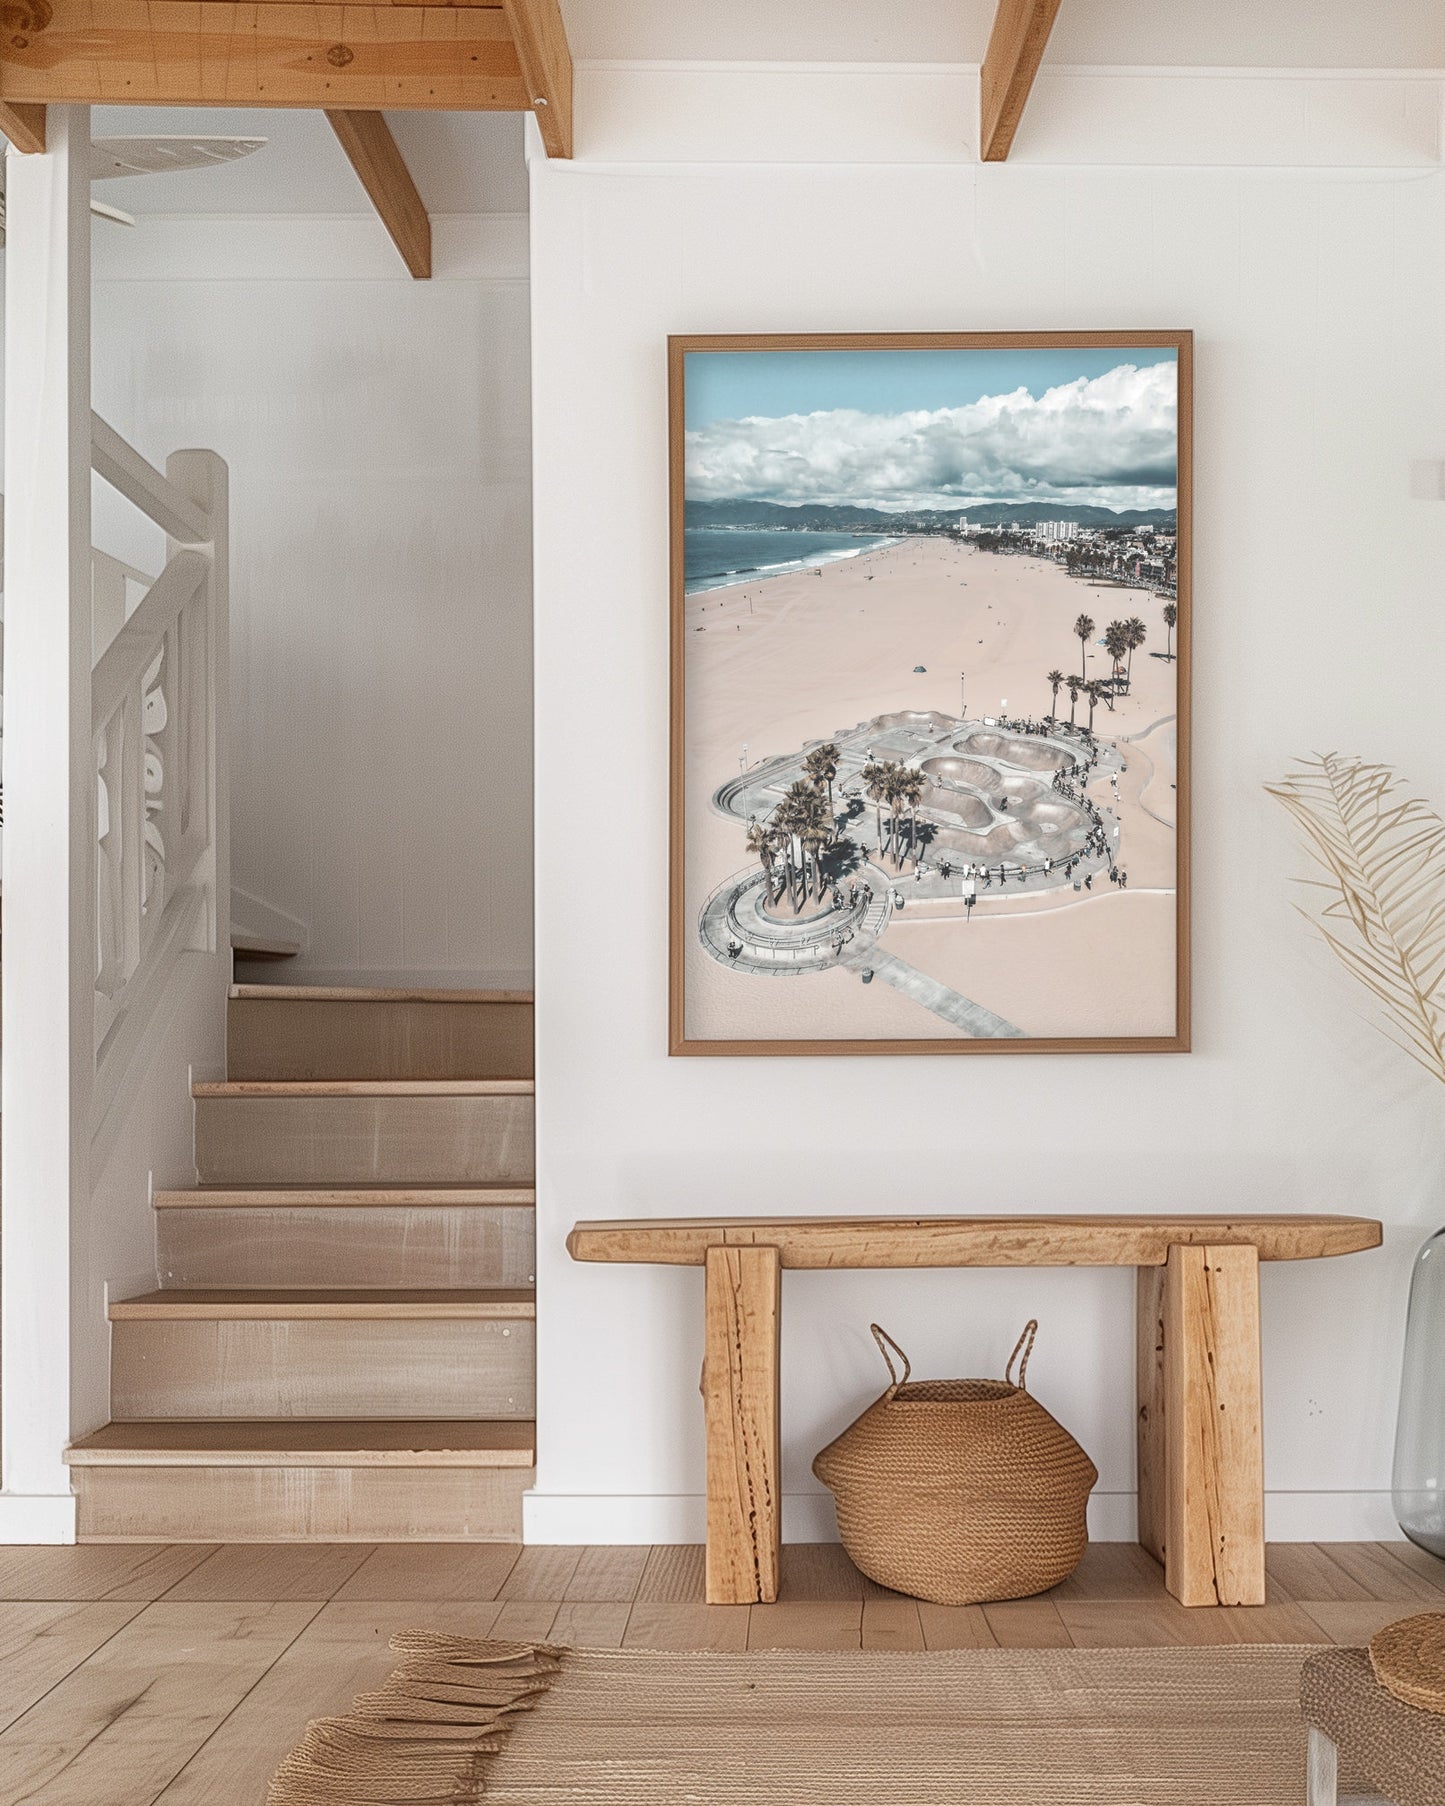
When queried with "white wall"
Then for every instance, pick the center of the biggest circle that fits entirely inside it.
(1321, 379)
(377, 435)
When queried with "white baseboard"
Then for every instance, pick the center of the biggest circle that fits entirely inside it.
(37, 1517)
(1330, 1517)
(573, 1518)
(550, 1517)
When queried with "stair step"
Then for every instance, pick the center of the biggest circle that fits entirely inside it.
(356, 1197)
(320, 1032)
(328, 1133)
(407, 1237)
(328, 1354)
(218, 1305)
(313, 1442)
(283, 1480)
(274, 1088)
(373, 994)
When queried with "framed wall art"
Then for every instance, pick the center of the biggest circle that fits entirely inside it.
(930, 693)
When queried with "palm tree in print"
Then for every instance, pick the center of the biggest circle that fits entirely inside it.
(1137, 633)
(897, 792)
(806, 817)
(1094, 691)
(1075, 685)
(875, 784)
(762, 845)
(821, 766)
(1083, 627)
(784, 826)
(1116, 644)
(818, 840)
(910, 784)
(1055, 681)
(1171, 615)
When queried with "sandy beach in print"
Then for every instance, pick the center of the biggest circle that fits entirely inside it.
(807, 655)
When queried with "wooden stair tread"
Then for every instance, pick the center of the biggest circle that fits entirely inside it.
(309, 1442)
(231, 1088)
(364, 994)
(374, 1197)
(272, 1305)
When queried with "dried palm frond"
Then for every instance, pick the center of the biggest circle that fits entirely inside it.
(1383, 917)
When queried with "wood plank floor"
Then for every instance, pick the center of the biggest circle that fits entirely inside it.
(181, 1675)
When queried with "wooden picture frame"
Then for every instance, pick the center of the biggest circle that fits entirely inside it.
(699, 1024)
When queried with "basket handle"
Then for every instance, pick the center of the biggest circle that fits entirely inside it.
(885, 1342)
(1026, 1343)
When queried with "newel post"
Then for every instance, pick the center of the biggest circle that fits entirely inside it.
(48, 994)
(203, 478)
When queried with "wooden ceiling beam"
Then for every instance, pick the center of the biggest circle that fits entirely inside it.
(1015, 49)
(541, 41)
(212, 53)
(366, 138)
(24, 126)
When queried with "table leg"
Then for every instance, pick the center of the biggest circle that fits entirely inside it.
(1201, 1459)
(740, 1396)
(1149, 1395)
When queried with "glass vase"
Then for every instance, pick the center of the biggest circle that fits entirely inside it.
(1418, 1483)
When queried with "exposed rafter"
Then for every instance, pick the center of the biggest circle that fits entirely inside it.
(212, 53)
(1015, 49)
(541, 41)
(366, 138)
(24, 126)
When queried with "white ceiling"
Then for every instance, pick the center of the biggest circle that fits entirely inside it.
(1364, 34)
(461, 163)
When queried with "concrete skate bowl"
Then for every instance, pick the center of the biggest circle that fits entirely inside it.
(972, 772)
(918, 721)
(1056, 827)
(1031, 755)
(1022, 791)
(962, 805)
(954, 843)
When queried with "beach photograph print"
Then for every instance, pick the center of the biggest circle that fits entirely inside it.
(930, 634)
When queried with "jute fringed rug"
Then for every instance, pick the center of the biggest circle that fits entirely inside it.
(541, 1727)
(426, 1734)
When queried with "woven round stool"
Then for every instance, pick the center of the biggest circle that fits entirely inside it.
(1409, 1660)
(1377, 1740)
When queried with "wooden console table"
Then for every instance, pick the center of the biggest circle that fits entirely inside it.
(1201, 1460)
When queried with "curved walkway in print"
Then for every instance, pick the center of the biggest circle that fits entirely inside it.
(969, 1018)
(737, 931)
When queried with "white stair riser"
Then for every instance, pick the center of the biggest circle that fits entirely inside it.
(404, 1246)
(298, 1141)
(300, 1504)
(322, 1038)
(351, 1368)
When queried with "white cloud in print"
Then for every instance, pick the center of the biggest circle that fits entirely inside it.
(1108, 440)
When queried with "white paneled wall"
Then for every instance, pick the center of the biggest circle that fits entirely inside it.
(1320, 623)
(377, 435)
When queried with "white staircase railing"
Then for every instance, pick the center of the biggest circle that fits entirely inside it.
(157, 702)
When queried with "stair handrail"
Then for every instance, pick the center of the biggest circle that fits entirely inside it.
(157, 701)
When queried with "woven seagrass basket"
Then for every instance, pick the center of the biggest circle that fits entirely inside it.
(960, 1491)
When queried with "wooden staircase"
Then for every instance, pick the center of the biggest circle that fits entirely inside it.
(342, 1346)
